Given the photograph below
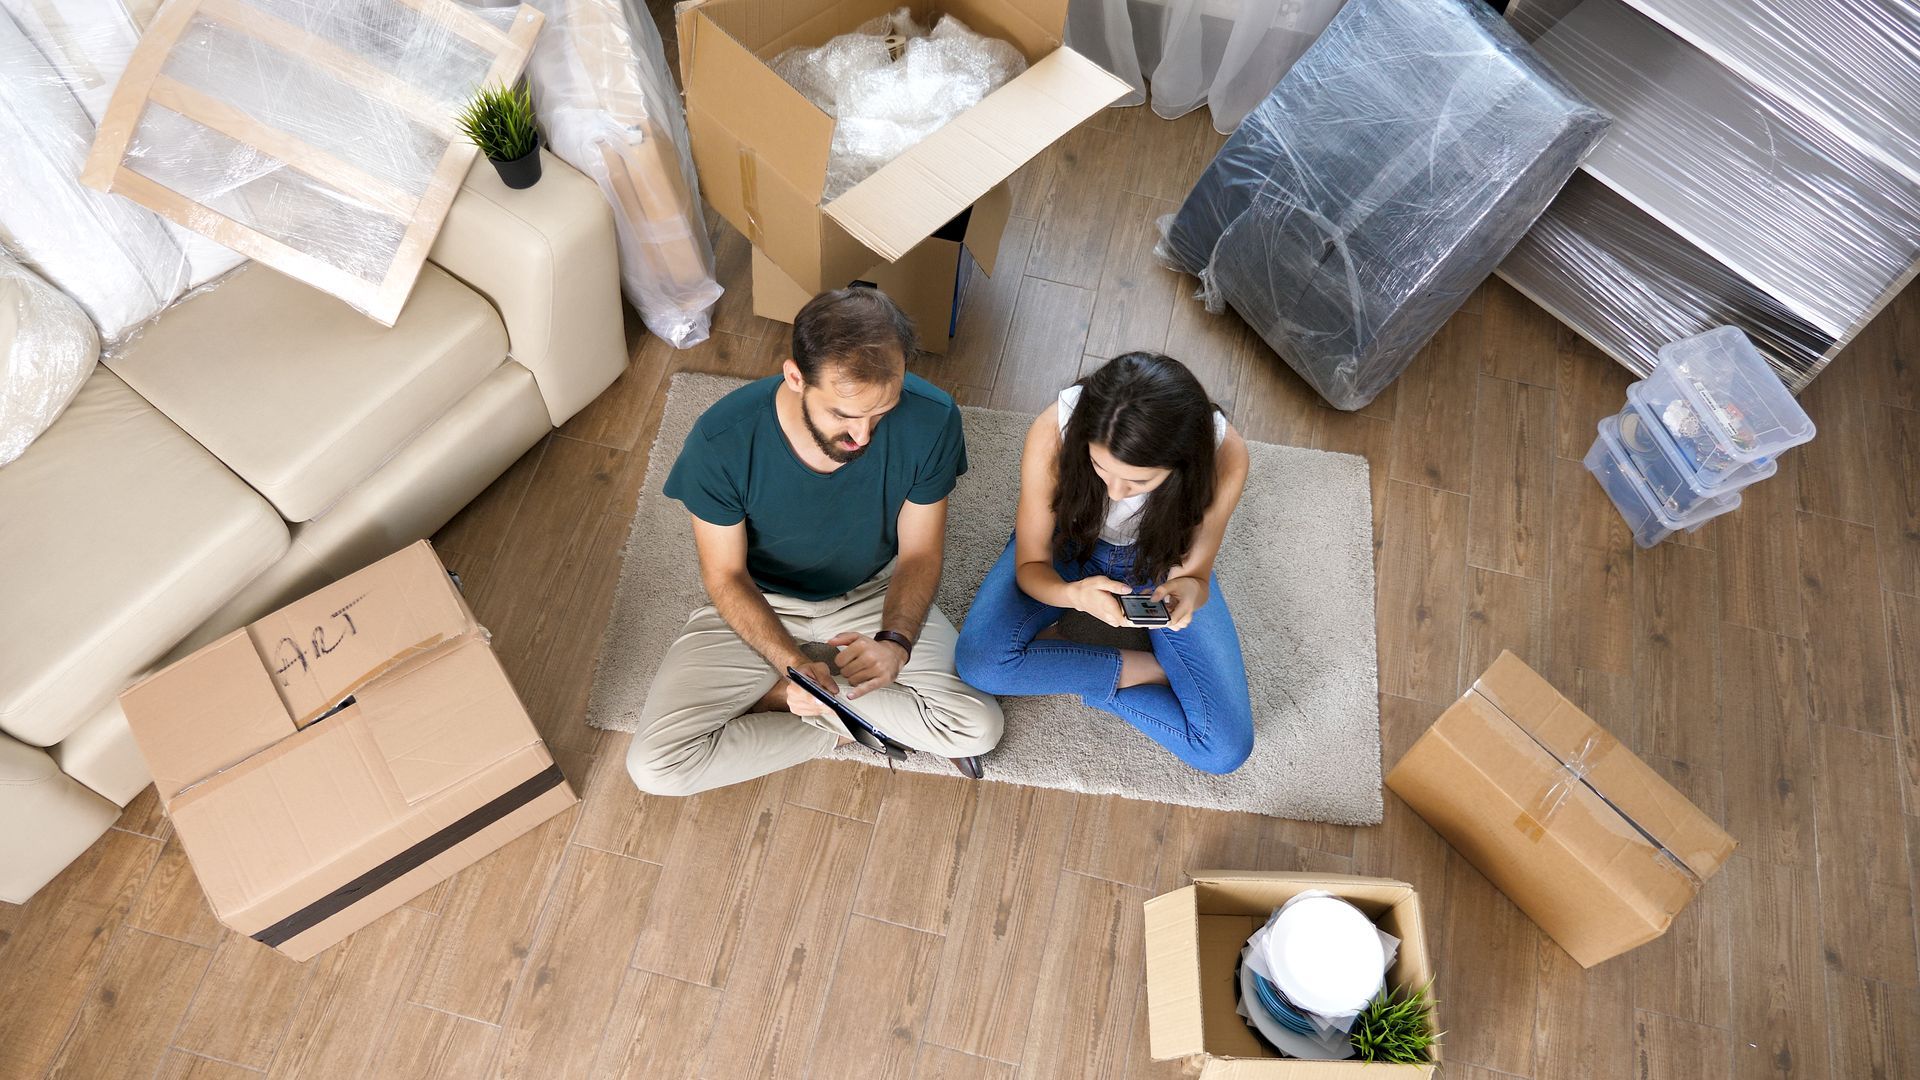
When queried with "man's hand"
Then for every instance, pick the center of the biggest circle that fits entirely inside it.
(1183, 596)
(867, 663)
(801, 703)
(1099, 597)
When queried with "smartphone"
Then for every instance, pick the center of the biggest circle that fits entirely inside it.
(857, 727)
(1144, 610)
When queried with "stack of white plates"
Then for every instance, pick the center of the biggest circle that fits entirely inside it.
(1309, 971)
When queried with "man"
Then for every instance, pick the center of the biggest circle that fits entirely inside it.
(819, 506)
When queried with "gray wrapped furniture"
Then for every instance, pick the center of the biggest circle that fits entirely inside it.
(1384, 178)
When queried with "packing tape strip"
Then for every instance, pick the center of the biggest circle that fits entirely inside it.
(750, 192)
(1573, 773)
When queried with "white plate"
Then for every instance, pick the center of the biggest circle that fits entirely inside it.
(1326, 956)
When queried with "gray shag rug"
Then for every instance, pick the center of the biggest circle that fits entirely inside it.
(1297, 567)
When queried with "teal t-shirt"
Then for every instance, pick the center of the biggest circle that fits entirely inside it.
(816, 535)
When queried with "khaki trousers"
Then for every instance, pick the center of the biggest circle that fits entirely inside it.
(695, 731)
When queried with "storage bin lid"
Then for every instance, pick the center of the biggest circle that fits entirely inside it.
(1649, 431)
(1741, 403)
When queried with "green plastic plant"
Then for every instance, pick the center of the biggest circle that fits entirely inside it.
(1395, 1028)
(499, 120)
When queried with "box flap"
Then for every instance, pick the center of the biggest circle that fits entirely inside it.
(325, 645)
(904, 201)
(171, 714)
(1625, 782)
(785, 132)
(444, 721)
(988, 225)
(1175, 1025)
(299, 805)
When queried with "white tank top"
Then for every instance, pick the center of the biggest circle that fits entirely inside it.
(1122, 527)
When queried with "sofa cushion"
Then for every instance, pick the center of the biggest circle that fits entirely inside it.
(300, 394)
(119, 535)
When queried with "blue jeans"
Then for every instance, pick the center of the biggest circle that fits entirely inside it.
(1203, 715)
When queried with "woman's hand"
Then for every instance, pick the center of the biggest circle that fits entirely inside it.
(1183, 596)
(1099, 597)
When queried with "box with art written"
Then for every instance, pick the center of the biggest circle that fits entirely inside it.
(1583, 836)
(333, 760)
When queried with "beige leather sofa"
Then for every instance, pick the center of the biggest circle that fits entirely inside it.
(256, 441)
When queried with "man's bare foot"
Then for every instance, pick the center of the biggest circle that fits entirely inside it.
(774, 700)
(1140, 668)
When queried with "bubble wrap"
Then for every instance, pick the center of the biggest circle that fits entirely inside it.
(881, 104)
(47, 349)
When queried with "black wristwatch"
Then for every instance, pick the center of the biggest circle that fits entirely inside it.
(897, 638)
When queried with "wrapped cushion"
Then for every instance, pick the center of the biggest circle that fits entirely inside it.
(47, 350)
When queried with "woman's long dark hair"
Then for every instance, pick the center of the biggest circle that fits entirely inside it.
(1150, 412)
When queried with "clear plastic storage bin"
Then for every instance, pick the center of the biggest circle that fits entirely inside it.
(1676, 483)
(1643, 512)
(1723, 405)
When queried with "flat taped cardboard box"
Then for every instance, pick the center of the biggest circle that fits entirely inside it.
(1194, 937)
(927, 282)
(761, 147)
(1583, 836)
(337, 758)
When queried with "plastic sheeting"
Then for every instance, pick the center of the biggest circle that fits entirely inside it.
(1730, 203)
(86, 43)
(891, 83)
(116, 259)
(1384, 178)
(608, 107)
(1630, 285)
(47, 349)
(313, 135)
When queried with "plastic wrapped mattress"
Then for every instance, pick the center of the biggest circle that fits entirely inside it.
(1385, 177)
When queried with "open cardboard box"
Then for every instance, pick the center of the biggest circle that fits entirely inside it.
(927, 283)
(761, 147)
(330, 762)
(1194, 937)
(1583, 836)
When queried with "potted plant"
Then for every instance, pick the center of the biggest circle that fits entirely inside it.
(1395, 1028)
(499, 120)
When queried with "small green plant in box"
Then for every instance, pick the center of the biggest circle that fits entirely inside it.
(499, 120)
(1396, 1028)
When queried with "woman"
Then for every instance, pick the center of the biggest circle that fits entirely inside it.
(1126, 485)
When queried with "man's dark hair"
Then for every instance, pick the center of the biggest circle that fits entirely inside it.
(855, 331)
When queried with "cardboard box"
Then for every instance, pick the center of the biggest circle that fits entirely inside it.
(927, 282)
(1587, 839)
(761, 147)
(346, 753)
(1194, 938)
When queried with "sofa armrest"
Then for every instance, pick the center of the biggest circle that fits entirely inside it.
(545, 258)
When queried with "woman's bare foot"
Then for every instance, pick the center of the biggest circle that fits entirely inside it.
(1140, 668)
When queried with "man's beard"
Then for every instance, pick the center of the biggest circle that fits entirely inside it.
(829, 445)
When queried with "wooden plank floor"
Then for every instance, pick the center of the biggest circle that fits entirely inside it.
(836, 921)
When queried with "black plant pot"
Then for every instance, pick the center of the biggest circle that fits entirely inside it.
(523, 171)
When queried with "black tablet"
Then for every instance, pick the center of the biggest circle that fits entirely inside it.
(857, 727)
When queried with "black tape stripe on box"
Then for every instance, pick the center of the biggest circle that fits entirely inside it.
(412, 858)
